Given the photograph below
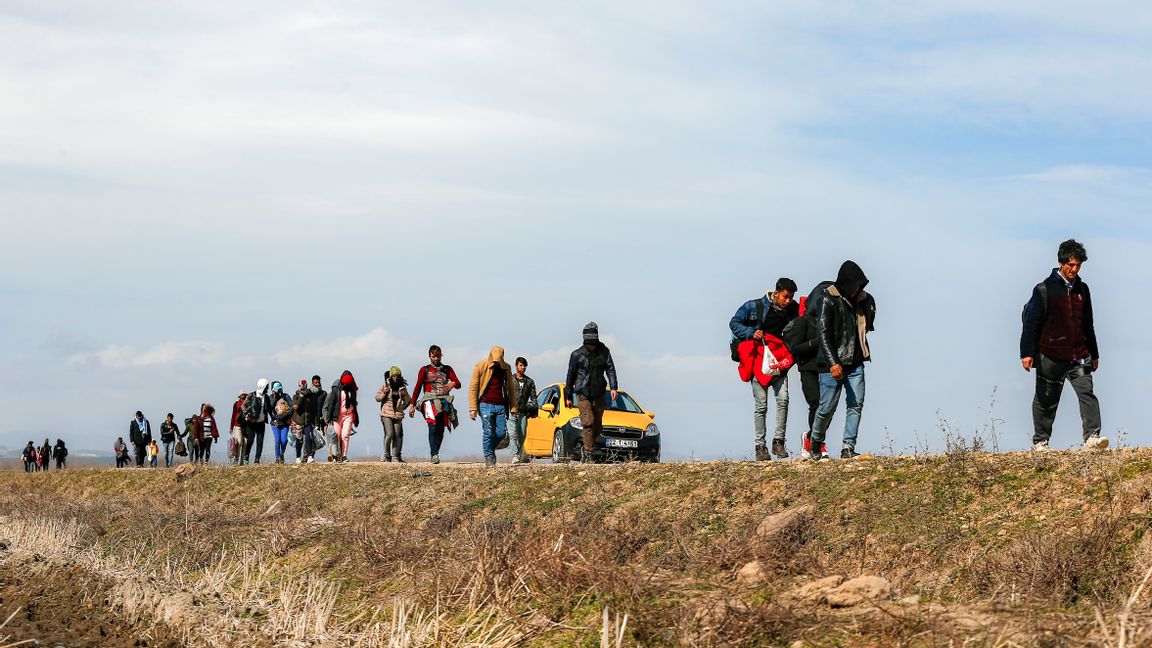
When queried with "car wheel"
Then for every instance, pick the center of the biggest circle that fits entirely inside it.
(559, 452)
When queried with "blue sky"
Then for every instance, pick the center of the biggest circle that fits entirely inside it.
(195, 195)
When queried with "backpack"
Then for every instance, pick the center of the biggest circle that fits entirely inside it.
(1043, 288)
(735, 344)
(253, 408)
(283, 409)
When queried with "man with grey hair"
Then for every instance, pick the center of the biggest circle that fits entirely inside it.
(1059, 341)
(588, 366)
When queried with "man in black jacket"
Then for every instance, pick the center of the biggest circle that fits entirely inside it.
(802, 335)
(1059, 341)
(845, 314)
(168, 431)
(587, 368)
(140, 433)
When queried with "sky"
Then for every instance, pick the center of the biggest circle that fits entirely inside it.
(195, 195)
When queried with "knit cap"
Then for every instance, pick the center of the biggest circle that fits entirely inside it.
(591, 332)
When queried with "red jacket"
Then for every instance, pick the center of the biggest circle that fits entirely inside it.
(752, 358)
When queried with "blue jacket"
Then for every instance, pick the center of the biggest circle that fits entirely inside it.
(745, 322)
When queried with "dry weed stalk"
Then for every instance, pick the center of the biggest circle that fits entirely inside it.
(1126, 633)
(612, 631)
(8, 637)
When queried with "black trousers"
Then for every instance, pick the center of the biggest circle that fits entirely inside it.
(139, 453)
(253, 437)
(1050, 377)
(810, 384)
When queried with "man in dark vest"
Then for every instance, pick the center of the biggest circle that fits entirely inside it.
(1059, 341)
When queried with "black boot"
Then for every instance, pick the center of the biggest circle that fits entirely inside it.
(762, 453)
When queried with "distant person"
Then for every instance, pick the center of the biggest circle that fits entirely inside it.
(342, 409)
(237, 440)
(152, 452)
(44, 455)
(590, 372)
(526, 408)
(60, 454)
(492, 395)
(768, 315)
(803, 338)
(256, 412)
(207, 432)
(394, 399)
(168, 433)
(121, 450)
(280, 417)
(846, 314)
(140, 434)
(436, 380)
(29, 457)
(305, 419)
(1059, 341)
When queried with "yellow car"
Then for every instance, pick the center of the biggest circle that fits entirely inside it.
(556, 432)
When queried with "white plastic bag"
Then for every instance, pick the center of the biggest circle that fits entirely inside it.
(771, 366)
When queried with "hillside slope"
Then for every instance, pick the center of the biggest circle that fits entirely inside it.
(1004, 549)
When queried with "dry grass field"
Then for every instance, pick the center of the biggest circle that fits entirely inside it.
(961, 549)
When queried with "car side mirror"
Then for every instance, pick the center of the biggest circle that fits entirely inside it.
(548, 407)
(651, 415)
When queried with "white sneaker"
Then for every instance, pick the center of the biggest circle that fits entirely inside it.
(310, 460)
(804, 454)
(1041, 447)
(299, 460)
(1095, 442)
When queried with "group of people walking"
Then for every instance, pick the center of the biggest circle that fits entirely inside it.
(825, 334)
(311, 418)
(37, 459)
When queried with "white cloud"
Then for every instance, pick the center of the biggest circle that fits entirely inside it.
(194, 353)
(1088, 173)
(377, 344)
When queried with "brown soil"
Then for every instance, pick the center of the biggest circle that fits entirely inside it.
(65, 607)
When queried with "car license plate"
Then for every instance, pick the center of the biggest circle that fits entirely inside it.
(622, 443)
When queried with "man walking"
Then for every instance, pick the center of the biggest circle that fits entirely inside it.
(168, 431)
(587, 368)
(140, 434)
(803, 338)
(492, 394)
(1059, 341)
(256, 413)
(845, 314)
(768, 315)
(526, 408)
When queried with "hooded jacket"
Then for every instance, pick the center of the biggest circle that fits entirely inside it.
(843, 325)
(803, 338)
(482, 375)
(332, 401)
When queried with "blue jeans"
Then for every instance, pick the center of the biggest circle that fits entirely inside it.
(169, 452)
(281, 434)
(760, 411)
(830, 388)
(494, 418)
(517, 432)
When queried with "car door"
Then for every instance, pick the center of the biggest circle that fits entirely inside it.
(538, 439)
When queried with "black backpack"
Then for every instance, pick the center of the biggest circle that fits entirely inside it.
(253, 408)
(1043, 288)
(735, 344)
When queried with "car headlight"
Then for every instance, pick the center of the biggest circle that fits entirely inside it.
(576, 424)
(652, 431)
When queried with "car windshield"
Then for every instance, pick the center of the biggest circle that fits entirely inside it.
(622, 403)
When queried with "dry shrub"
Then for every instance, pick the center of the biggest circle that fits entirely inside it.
(1058, 567)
